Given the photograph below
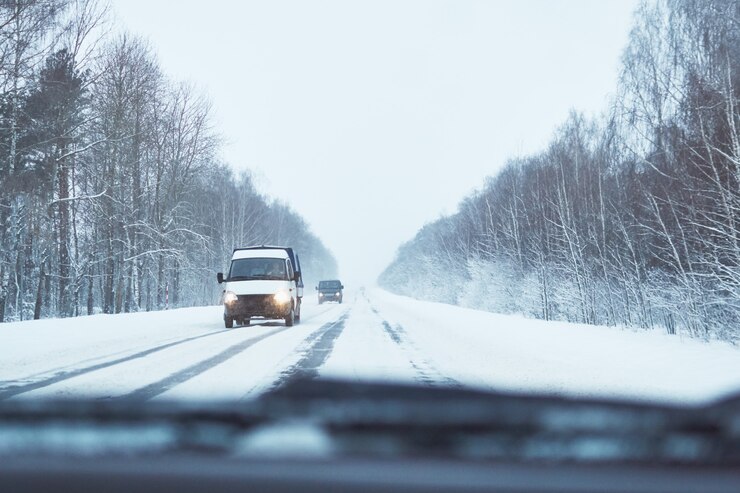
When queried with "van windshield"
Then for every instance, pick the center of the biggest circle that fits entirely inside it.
(258, 268)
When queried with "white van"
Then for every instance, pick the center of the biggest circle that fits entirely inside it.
(263, 281)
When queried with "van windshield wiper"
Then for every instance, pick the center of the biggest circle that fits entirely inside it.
(238, 278)
(260, 277)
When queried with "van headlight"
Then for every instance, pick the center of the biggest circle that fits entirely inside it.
(281, 297)
(230, 297)
(321, 295)
(337, 293)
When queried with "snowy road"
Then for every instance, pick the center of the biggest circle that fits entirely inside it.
(186, 353)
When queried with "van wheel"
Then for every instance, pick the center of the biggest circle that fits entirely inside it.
(229, 322)
(246, 321)
(298, 313)
(290, 319)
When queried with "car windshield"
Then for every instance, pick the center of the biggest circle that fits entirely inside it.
(218, 202)
(330, 285)
(258, 268)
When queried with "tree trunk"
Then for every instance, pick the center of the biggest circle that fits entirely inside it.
(39, 293)
(3, 292)
(90, 297)
(64, 250)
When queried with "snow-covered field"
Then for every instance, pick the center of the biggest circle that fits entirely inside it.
(187, 353)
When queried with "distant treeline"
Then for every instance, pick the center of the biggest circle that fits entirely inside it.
(633, 219)
(112, 195)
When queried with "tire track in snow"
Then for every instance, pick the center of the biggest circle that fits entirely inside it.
(12, 390)
(427, 373)
(317, 349)
(8, 391)
(154, 389)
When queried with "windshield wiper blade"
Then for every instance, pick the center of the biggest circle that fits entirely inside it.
(257, 277)
(260, 277)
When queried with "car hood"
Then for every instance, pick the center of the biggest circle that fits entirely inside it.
(320, 418)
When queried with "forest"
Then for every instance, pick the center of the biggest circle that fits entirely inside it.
(113, 194)
(629, 218)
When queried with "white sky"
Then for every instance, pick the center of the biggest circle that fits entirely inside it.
(373, 118)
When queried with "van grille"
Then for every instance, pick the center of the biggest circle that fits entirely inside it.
(254, 302)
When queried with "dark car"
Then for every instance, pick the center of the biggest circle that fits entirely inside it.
(330, 291)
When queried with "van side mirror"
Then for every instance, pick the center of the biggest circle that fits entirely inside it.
(220, 277)
(316, 288)
(297, 276)
(342, 286)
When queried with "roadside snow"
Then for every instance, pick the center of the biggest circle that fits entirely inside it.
(515, 353)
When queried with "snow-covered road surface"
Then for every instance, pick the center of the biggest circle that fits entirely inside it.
(187, 354)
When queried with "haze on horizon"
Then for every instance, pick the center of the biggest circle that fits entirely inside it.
(372, 118)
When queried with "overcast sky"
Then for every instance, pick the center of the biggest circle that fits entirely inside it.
(373, 118)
